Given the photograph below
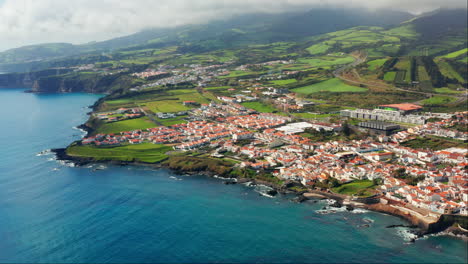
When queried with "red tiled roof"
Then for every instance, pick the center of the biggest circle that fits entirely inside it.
(404, 107)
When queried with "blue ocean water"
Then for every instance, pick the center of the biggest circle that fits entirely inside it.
(54, 213)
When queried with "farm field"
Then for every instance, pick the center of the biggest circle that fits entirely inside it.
(126, 125)
(172, 121)
(260, 107)
(326, 61)
(312, 115)
(439, 100)
(447, 90)
(333, 85)
(146, 152)
(390, 76)
(238, 74)
(448, 71)
(318, 48)
(433, 143)
(361, 188)
(173, 103)
(456, 54)
(374, 64)
(284, 82)
(166, 106)
(422, 74)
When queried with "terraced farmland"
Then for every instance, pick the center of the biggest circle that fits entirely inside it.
(333, 85)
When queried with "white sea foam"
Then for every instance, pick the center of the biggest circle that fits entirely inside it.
(406, 233)
(224, 178)
(66, 163)
(332, 210)
(44, 153)
(83, 132)
(359, 211)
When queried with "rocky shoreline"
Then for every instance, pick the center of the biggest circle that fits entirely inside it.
(424, 227)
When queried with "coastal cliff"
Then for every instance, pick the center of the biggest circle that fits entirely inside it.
(27, 79)
(64, 81)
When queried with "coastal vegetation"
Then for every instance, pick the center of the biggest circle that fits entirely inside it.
(260, 107)
(433, 143)
(126, 125)
(333, 85)
(361, 188)
(145, 152)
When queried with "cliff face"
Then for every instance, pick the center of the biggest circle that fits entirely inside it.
(28, 79)
(83, 82)
(65, 81)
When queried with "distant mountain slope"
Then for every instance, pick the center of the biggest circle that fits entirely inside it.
(39, 52)
(240, 30)
(442, 22)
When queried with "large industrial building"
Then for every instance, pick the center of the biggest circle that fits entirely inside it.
(402, 108)
(391, 113)
(380, 127)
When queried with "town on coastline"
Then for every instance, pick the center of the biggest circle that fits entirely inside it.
(396, 156)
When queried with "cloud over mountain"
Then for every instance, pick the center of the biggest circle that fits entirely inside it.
(24, 22)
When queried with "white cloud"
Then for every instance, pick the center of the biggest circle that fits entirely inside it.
(24, 22)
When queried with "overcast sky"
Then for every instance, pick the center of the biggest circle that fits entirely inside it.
(25, 22)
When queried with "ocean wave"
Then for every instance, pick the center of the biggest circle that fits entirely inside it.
(66, 163)
(83, 132)
(406, 234)
(44, 153)
(359, 211)
(224, 178)
(332, 210)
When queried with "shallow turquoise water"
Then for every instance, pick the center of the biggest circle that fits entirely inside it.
(54, 213)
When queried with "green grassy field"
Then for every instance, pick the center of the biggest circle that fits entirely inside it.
(283, 82)
(145, 152)
(448, 71)
(126, 125)
(166, 106)
(389, 76)
(238, 74)
(374, 64)
(333, 85)
(318, 48)
(447, 90)
(361, 188)
(422, 74)
(260, 107)
(310, 115)
(172, 121)
(433, 143)
(326, 61)
(439, 100)
(218, 88)
(456, 54)
(175, 100)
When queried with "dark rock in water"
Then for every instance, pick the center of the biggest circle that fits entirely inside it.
(336, 204)
(408, 226)
(272, 192)
(299, 199)
(412, 240)
(324, 208)
(230, 182)
(349, 208)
